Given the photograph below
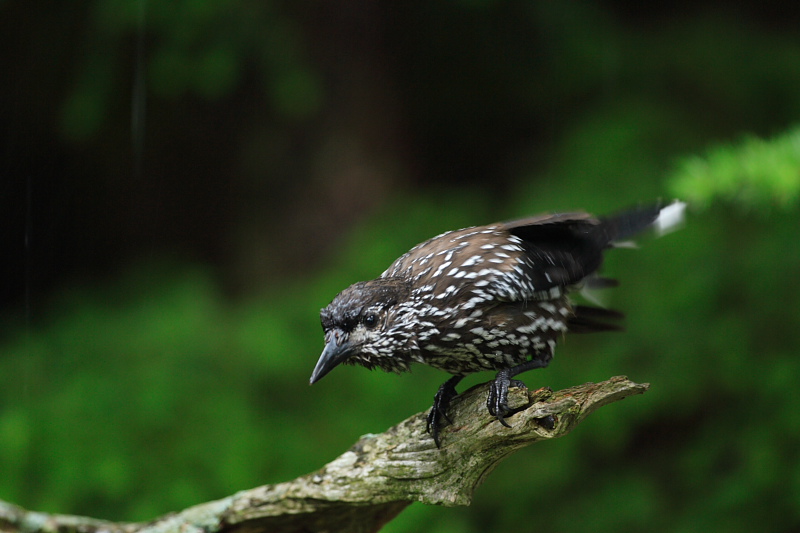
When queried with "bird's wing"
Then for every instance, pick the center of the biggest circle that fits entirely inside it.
(530, 258)
(562, 250)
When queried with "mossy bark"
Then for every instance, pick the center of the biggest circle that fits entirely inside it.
(369, 484)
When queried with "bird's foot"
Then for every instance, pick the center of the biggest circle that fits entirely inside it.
(497, 402)
(438, 413)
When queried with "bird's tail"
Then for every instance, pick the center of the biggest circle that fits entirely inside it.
(616, 229)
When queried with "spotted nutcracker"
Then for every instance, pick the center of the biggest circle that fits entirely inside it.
(483, 298)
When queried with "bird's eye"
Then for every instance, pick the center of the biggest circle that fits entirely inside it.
(371, 320)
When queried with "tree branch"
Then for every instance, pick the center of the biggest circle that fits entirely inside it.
(379, 476)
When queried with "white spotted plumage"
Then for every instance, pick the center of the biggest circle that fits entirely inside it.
(483, 298)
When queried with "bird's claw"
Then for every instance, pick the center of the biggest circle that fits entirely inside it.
(497, 402)
(441, 402)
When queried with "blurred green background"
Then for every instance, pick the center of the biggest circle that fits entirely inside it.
(184, 184)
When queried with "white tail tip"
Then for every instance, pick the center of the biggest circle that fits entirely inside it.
(670, 218)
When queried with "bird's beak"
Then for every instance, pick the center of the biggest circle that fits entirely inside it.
(337, 349)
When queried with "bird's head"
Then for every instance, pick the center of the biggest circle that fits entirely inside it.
(361, 327)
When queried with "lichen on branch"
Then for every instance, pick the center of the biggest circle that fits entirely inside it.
(379, 475)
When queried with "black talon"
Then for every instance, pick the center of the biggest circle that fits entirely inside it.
(497, 402)
(441, 401)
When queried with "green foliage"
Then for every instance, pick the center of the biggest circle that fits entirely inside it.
(85, 109)
(155, 392)
(756, 173)
(189, 48)
(159, 388)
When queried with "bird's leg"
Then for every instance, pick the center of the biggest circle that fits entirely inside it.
(441, 401)
(497, 402)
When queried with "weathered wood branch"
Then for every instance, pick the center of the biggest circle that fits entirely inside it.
(379, 476)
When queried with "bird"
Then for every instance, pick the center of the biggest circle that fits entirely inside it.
(484, 298)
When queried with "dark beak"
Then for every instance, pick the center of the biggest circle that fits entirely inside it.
(337, 349)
